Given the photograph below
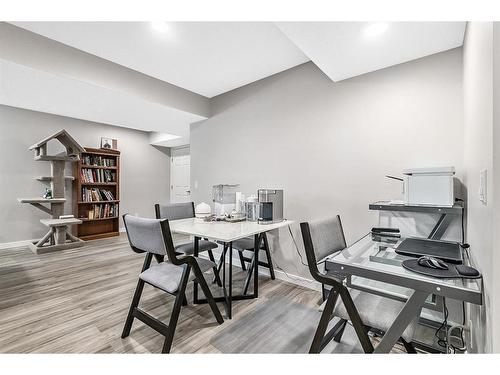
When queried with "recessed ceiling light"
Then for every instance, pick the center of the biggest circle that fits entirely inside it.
(160, 26)
(376, 29)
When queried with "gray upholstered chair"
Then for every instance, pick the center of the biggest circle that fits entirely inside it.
(366, 311)
(153, 237)
(176, 211)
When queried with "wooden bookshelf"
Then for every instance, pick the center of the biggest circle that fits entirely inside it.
(104, 165)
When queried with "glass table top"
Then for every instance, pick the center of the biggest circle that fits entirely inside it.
(369, 257)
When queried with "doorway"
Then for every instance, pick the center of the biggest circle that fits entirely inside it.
(180, 174)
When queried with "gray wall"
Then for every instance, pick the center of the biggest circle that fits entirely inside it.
(496, 186)
(482, 134)
(478, 122)
(144, 181)
(329, 145)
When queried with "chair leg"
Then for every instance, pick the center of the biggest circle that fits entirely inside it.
(208, 295)
(323, 323)
(136, 298)
(211, 255)
(242, 261)
(133, 305)
(179, 299)
(339, 334)
(410, 349)
(184, 300)
(268, 255)
(249, 276)
(216, 272)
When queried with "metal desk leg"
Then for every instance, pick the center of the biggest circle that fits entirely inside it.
(195, 284)
(410, 311)
(256, 247)
(228, 313)
(230, 297)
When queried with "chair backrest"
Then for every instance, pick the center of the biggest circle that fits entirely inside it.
(145, 235)
(321, 239)
(174, 211)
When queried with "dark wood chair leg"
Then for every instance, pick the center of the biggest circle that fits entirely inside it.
(185, 300)
(268, 255)
(323, 323)
(242, 261)
(208, 295)
(216, 271)
(339, 334)
(137, 296)
(179, 299)
(134, 304)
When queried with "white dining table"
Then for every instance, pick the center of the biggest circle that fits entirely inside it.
(226, 233)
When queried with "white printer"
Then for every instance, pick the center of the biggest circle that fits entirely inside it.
(429, 186)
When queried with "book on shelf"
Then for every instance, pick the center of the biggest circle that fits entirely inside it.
(89, 175)
(102, 211)
(98, 161)
(95, 195)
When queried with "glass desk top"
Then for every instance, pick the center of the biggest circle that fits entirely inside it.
(377, 260)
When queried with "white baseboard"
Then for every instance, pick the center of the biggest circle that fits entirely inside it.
(294, 279)
(8, 245)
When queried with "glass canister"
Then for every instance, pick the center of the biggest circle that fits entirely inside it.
(224, 197)
(252, 208)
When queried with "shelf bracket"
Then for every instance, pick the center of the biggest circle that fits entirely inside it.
(441, 225)
(42, 207)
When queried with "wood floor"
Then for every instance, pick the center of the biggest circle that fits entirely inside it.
(76, 301)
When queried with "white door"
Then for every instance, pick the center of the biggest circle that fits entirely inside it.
(180, 189)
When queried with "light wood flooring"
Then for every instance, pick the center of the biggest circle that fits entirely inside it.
(76, 301)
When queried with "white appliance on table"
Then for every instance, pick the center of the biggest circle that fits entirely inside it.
(429, 186)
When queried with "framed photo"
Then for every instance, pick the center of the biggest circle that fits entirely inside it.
(109, 143)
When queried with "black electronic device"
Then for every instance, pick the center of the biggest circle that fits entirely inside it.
(444, 250)
(386, 230)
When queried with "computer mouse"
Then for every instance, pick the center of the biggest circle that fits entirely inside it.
(431, 262)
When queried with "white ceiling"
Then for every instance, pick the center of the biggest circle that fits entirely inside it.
(208, 58)
(37, 90)
(348, 49)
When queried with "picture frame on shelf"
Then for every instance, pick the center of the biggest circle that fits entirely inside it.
(109, 143)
